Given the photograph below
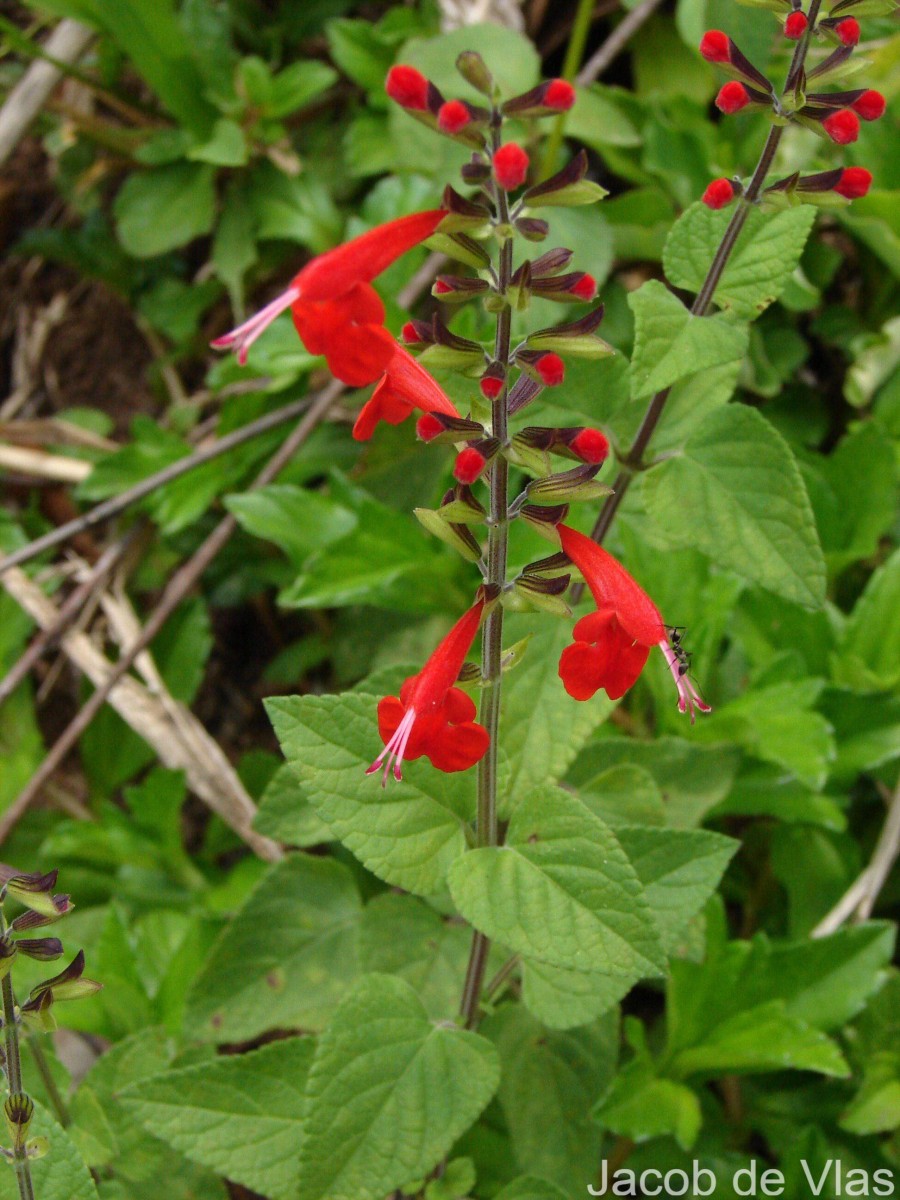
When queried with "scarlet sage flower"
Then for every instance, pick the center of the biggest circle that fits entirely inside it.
(612, 644)
(404, 387)
(336, 312)
(431, 716)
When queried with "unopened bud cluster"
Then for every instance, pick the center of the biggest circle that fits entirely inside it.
(833, 115)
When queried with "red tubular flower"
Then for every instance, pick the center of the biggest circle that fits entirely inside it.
(612, 644)
(854, 183)
(453, 116)
(842, 127)
(336, 312)
(405, 386)
(407, 87)
(848, 31)
(560, 95)
(870, 105)
(469, 465)
(719, 194)
(732, 97)
(551, 368)
(431, 716)
(585, 288)
(715, 46)
(590, 445)
(491, 386)
(795, 26)
(510, 166)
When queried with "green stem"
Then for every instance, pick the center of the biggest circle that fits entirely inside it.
(54, 1095)
(21, 1164)
(486, 828)
(571, 63)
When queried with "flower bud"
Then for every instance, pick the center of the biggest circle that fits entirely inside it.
(567, 188)
(407, 87)
(453, 116)
(560, 95)
(719, 194)
(469, 465)
(795, 26)
(474, 70)
(456, 289)
(590, 445)
(544, 366)
(853, 183)
(870, 106)
(842, 127)
(533, 229)
(732, 97)
(577, 484)
(492, 381)
(848, 31)
(410, 334)
(715, 46)
(510, 166)
(553, 96)
(437, 425)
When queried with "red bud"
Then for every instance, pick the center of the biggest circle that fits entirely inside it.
(428, 427)
(870, 106)
(441, 287)
(842, 127)
(715, 46)
(732, 97)
(510, 166)
(590, 445)
(491, 386)
(719, 193)
(585, 288)
(410, 334)
(848, 31)
(560, 95)
(453, 116)
(854, 183)
(551, 369)
(469, 465)
(408, 87)
(795, 26)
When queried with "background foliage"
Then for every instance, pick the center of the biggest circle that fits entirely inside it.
(184, 170)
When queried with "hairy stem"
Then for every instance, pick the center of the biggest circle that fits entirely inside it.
(21, 1165)
(486, 830)
(54, 1095)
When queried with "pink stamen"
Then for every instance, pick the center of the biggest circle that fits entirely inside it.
(688, 696)
(242, 338)
(395, 748)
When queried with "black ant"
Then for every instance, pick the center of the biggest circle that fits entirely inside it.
(683, 657)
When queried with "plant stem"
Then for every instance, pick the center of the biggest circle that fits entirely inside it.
(486, 830)
(54, 1095)
(574, 55)
(21, 1164)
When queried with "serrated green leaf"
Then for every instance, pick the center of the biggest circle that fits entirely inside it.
(639, 1105)
(61, 1175)
(286, 814)
(399, 935)
(670, 344)
(560, 891)
(165, 207)
(625, 795)
(760, 266)
(285, 959)
(535, 711)
(296, 519)
(408, 833)
(241, 1116)
(388, 1093)
(736, 494)
(550, 1080)
(563, 999)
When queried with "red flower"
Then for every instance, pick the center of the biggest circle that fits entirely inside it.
(431, 716)
(453, 116)
(510, 166)
(551, 369)
(560, 95)
(405, 386)
(715, 46)
(585, 288)
(848, 31)
(469, 465)
(612, 644)
(719, 193)
(795, 26)
(590, 445)
(853, 183)
(732, 97)
(408, 87)
(842, 127)
(336, 311)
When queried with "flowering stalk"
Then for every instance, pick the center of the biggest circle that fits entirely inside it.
(20, 1161)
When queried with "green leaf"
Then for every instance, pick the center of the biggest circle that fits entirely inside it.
(400, 935)
(61, 1175)
(510, 57)
(560, 891)
(868, 657)
(286, 957)
(550, 1080)
(240, 1115)
(388, 1093)
(536, 709)
(227, 147)
(296, 519)
(736, 494)
(670, 344)
(625, 795)
(563, 999)
(409, 833)
(164, 208)
(296, 85)
(286, 814)
(763, 260)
